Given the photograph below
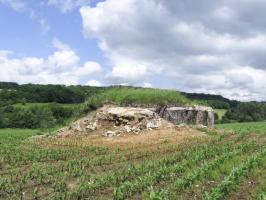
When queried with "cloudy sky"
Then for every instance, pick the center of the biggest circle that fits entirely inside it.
(208, 46)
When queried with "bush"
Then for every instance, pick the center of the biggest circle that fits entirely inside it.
(60, 113)
(43, 117)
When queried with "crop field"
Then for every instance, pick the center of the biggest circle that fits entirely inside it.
(258, 127)
(228, 163)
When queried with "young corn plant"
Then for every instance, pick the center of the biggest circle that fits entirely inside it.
(234, 177)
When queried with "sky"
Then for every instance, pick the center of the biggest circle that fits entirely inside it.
(204, 46)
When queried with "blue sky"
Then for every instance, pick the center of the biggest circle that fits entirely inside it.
(27, 37)
(205, 46)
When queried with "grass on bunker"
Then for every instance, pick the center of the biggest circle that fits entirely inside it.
(228, 164)
(144, 96)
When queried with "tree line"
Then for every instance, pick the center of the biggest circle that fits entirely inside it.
(11, 93)
(246, 112)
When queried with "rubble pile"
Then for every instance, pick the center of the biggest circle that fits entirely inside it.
(112, 121)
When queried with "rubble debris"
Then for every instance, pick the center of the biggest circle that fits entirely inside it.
(113, 120)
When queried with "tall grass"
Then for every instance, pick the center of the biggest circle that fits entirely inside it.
(127, 96)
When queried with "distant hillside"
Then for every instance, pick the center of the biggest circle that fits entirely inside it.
(11, 93)
(203, 96)
(8, 85)
(215, 101)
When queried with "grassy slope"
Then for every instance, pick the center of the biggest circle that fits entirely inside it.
(30, 105)
(139, 96)
(197, 169)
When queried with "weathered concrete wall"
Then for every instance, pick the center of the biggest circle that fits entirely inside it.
(188, 115)
(178, 114)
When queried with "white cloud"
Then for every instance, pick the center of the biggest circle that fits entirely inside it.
(147, 85)
(63, 60)
(89, 68)
(127, 72)
(94, 83)
(61, 67)
(59, 45)
(209, 46)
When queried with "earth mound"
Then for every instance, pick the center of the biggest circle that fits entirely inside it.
(112, 121)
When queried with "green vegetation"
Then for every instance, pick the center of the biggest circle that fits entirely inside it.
(234, 177)
(215, 101)
(38, 115)
(131, 96)
(41, 106)
(39, 93)
(257, 127)
(220, 113)
(228, 164)
(30, 105)
(246, 112)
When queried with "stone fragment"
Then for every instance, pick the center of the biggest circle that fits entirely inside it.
(128, 129)
(152, 125)
(92, 126)
(109, 134)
